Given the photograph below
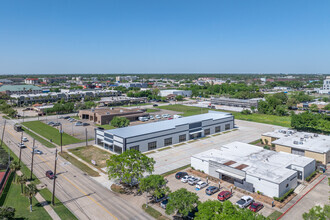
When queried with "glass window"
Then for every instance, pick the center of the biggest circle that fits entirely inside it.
(134, 147)
(152, 145)
(207, 131)
(227, 126)
(182, 138)
(195, 125)
(217, 129)
(168, 141)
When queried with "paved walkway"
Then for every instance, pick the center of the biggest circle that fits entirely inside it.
(47, 207)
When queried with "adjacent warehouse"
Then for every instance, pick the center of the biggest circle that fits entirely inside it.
(156, 135)
(167, 92)
(104, 116)
(244, 103)
(254, 168)
(311, 145)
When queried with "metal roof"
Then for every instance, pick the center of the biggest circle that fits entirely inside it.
(153, 127)
(18, 87)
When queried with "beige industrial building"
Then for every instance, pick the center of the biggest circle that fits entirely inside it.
(311, 145)
(104, 116)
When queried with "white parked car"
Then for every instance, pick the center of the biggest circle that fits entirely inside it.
(158, 117)
(201, 185)
(186, 178)
(193, 180)
(244, 202)
(24, 139)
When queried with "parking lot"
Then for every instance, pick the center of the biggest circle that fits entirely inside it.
(75, 131)
(176, 184)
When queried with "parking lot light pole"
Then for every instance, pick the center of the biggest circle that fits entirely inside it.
(33, 148)
(54, 180)
(86, 137)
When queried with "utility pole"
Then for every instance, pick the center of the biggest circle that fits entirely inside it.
(33, 147)
(23, 116)
(53, 196)
(20, 151)
(3, 133)
(61, 137)
(86, 137)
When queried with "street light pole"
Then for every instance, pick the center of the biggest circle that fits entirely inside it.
(86, 137)
(61, 137)
(53, 196)
(33, 147)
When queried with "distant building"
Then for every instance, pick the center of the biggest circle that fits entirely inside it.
(167, 92)
(6, 82)
(244, 103)
(136, 85)
(320, 105)
(20, 89)
(121, 100)
(311, 145)
(126, 78)
(254, 168)
(326, 86)
(55, 79)
(31, 81)
(103, 116)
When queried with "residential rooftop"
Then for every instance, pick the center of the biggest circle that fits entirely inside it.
(256, 161)
(301, 140)
(154, 127)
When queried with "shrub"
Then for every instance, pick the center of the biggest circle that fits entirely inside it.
(286, 195)
(310, 177)
(246, 112)
(266, 147)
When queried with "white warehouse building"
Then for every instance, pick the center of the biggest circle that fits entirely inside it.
(154, 135)
(255, 169)
(166, 92)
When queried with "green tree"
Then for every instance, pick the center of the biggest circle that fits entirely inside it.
(253, 108)
(7, 212)
(130, 165)
(119, 122)
(14, 166)
(4, 159)
(29, 192)
(327, 107)
(182, 201)
(179, 98)
(154, 185)
(313, 108)
(22, 181)
(281, 110)
(318, 213)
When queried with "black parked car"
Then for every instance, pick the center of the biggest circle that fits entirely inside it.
(154, 105)
(179, 175)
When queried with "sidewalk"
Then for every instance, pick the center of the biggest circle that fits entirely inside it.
(47, 207)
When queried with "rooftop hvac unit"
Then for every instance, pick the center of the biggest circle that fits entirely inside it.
(316, 135)
(295, 142)
(301, 143)
(306, 136)
(108, 113)
(121, 110)
(301, 139)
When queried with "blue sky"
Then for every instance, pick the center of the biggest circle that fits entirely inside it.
(164, 36)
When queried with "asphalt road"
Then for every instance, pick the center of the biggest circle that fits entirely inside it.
(83, 196)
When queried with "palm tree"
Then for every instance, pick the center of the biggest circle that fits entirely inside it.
(14, 166)
(22, 180)
(30, 191)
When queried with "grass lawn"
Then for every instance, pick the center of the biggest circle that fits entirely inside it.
(150, 110)
(275, 215)
(284, 121)
(153, 212)
(22, 205)
(106, 127)
(92, 153)
(49, 132)
(40, 139)
(75, 117)
(79, 164)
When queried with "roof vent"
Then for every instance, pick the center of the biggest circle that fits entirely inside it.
(108, 113)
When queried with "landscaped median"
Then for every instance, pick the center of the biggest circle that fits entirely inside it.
(51, 133)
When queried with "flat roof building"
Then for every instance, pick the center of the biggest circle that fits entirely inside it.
(159, 134)
(244, 103)
(254, 168)
(167, 92)
(307, 144)
(20, 89)
(103, 116)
